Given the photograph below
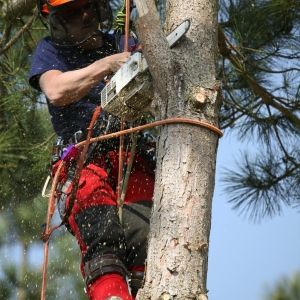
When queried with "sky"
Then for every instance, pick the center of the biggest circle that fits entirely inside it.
(246, 258)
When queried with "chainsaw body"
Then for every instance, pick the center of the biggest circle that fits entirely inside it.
(130, 91)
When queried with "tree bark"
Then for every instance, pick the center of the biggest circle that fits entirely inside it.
(185, 86)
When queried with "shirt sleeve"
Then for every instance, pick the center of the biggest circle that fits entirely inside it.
(46, 57)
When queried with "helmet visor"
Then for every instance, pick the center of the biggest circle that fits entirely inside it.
(75, 22)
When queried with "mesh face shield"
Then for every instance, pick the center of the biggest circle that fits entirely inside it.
(71, 23)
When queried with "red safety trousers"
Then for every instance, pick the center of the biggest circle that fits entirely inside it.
(95, 223)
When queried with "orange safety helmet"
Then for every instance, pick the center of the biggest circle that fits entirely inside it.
(49, 10)
(43, 9)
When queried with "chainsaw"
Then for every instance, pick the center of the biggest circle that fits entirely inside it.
(130, 91)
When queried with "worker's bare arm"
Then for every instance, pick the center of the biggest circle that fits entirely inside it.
(64, 88)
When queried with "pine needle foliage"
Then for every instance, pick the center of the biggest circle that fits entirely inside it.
(26, 139)
(259, 66)
(287, 288)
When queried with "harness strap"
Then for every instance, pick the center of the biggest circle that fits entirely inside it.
(102, 265)
(62, 188)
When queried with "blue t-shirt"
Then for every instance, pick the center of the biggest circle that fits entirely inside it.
(70, 118)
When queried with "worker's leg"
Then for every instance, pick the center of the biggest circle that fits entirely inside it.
(104, 261)
(136, 215)
(136, 228)
(95, 223)
(96, 226)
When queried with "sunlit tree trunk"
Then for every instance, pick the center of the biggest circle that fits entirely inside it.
(186, 86)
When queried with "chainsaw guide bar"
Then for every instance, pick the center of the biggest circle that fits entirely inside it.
(130, 91)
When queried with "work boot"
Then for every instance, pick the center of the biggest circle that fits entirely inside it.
(109, 286)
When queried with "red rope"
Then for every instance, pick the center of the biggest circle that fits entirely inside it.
(80, 165)
(121, 158)
(121, 146)
(47, 232)
(127, 20)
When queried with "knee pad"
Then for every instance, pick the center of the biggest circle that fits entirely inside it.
(102, 265)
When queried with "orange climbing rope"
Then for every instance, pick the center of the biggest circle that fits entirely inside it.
(47, 232)
(154, 124)
(121, 146)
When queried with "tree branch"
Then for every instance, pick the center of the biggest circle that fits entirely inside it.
(45, 142)
(143, 7)
(17, 36)
(13, 9)
(266, 97)
(157, 53)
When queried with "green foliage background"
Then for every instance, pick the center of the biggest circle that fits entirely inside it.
(26, 139)
(287, 288)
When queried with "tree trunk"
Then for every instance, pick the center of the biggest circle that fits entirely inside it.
(186, 86)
